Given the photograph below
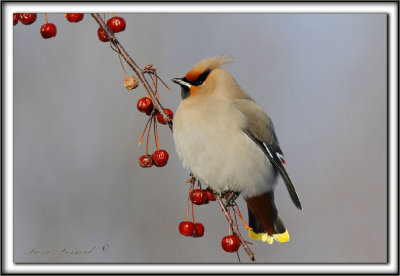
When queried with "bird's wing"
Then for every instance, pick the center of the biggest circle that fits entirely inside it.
(261, 130)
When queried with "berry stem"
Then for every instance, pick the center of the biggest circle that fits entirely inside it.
(193, 213)
(144, 131)
(157, 141)
(153, 80)
(154, 84)
(164, 84)
(156, 89)
(191, 180)
(148, 134)
(230, 223)
(47, 21)
(122, 65)
(187, 209)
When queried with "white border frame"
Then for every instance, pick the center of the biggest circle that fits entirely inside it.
(327, 7)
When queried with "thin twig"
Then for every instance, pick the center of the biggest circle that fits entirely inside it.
(236, 230)
(135, 68)
(167, 119)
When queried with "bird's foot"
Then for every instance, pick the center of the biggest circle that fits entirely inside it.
(230, 198)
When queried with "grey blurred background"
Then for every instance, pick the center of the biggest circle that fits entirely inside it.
(77, 182)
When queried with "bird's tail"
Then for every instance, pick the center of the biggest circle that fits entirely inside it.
(264, 219)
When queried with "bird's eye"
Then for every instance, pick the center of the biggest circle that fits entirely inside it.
(202, 78)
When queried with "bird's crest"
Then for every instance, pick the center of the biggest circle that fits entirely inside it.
(207, 64)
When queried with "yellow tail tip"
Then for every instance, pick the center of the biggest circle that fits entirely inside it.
(283, 237)
(254, 236)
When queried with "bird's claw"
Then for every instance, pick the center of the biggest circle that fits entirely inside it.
(230, 197)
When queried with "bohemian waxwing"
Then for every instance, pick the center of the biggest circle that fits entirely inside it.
(228, 142)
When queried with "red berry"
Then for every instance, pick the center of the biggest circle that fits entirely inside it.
(27, 18)
(145, 105)
(160, 118)
(210, 194)
(230, 243)
(48, 30)
(102, 35)
(160, 158)
(74, 17)
(198, 196)
(187, 228)
(199, 230)
(146, 161)
(116, 24)
(15, 18)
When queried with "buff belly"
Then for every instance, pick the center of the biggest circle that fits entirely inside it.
(221, 156)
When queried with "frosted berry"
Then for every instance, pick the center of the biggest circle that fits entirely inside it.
(160, 118)
(145, 105)
(102, 35)
(15, 18)
(198, 196)
(27, 18)
(146, 161)
(198, 230)
(116, 24)
(48, 30)
(160, 158)
(187, 228)
(74, 17)
(210, 194)
(230, 243)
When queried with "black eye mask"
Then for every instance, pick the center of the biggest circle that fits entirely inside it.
(201, 79)
(197, 82)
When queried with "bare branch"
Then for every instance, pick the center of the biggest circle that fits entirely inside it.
(135, 68)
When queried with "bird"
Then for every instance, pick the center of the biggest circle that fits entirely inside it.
(227, 141)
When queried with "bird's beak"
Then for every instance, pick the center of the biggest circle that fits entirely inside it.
(185, 87)
(181, 82)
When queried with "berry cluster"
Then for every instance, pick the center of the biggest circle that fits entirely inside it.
(145, 105)
(116, 24)
(160, 157)
(47, 30)
(25, 18)
(196, 196)
(199, 196)
(190, 229)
